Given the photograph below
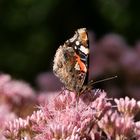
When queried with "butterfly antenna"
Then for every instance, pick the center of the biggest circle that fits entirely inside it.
(103, 80)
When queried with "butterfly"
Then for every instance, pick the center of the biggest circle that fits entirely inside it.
(71, 61)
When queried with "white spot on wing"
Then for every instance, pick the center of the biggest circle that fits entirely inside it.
(73, 38)
(77, 43)
(77, 66)
(84, 50)
(75, 47)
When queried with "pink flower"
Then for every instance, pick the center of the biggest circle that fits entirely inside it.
(17, 94)
(64, 117)
(5, 116)
(15, 89)
(137, 129)
(116, 126)
(128, 107)
(70, 117)
(25, 128)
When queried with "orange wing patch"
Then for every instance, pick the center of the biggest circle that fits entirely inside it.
(81, 64)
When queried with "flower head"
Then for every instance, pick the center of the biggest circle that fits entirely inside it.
(128, 107)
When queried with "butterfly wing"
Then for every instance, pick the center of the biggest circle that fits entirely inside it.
(71, 61)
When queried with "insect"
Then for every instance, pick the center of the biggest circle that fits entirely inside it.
(71, 61)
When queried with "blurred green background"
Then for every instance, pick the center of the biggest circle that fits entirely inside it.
(31, 30)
